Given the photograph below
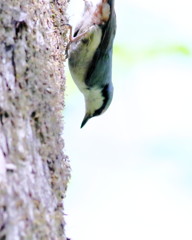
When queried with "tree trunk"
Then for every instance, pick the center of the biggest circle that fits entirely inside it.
(33, 168)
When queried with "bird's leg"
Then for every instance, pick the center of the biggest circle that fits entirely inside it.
(72, 39)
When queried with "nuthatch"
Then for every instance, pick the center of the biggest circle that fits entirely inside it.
(90, 56)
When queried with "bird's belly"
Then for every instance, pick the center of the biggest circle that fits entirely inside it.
(81, 54)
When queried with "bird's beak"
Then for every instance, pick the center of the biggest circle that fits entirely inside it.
(86, 118)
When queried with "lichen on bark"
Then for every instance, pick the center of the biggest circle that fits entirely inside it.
(34, 170)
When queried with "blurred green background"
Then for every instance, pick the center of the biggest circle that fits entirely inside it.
(132, 166)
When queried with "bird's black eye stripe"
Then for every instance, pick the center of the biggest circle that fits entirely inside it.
(105, 94)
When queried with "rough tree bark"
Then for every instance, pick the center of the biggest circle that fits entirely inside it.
(33, 168)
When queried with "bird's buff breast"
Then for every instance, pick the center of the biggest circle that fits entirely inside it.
(81, 54)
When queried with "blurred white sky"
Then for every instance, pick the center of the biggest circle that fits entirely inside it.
(132, 166)
(178, 12)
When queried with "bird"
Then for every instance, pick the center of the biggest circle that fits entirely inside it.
(89, 54)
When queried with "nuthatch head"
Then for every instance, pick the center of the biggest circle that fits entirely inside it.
(90, 56)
